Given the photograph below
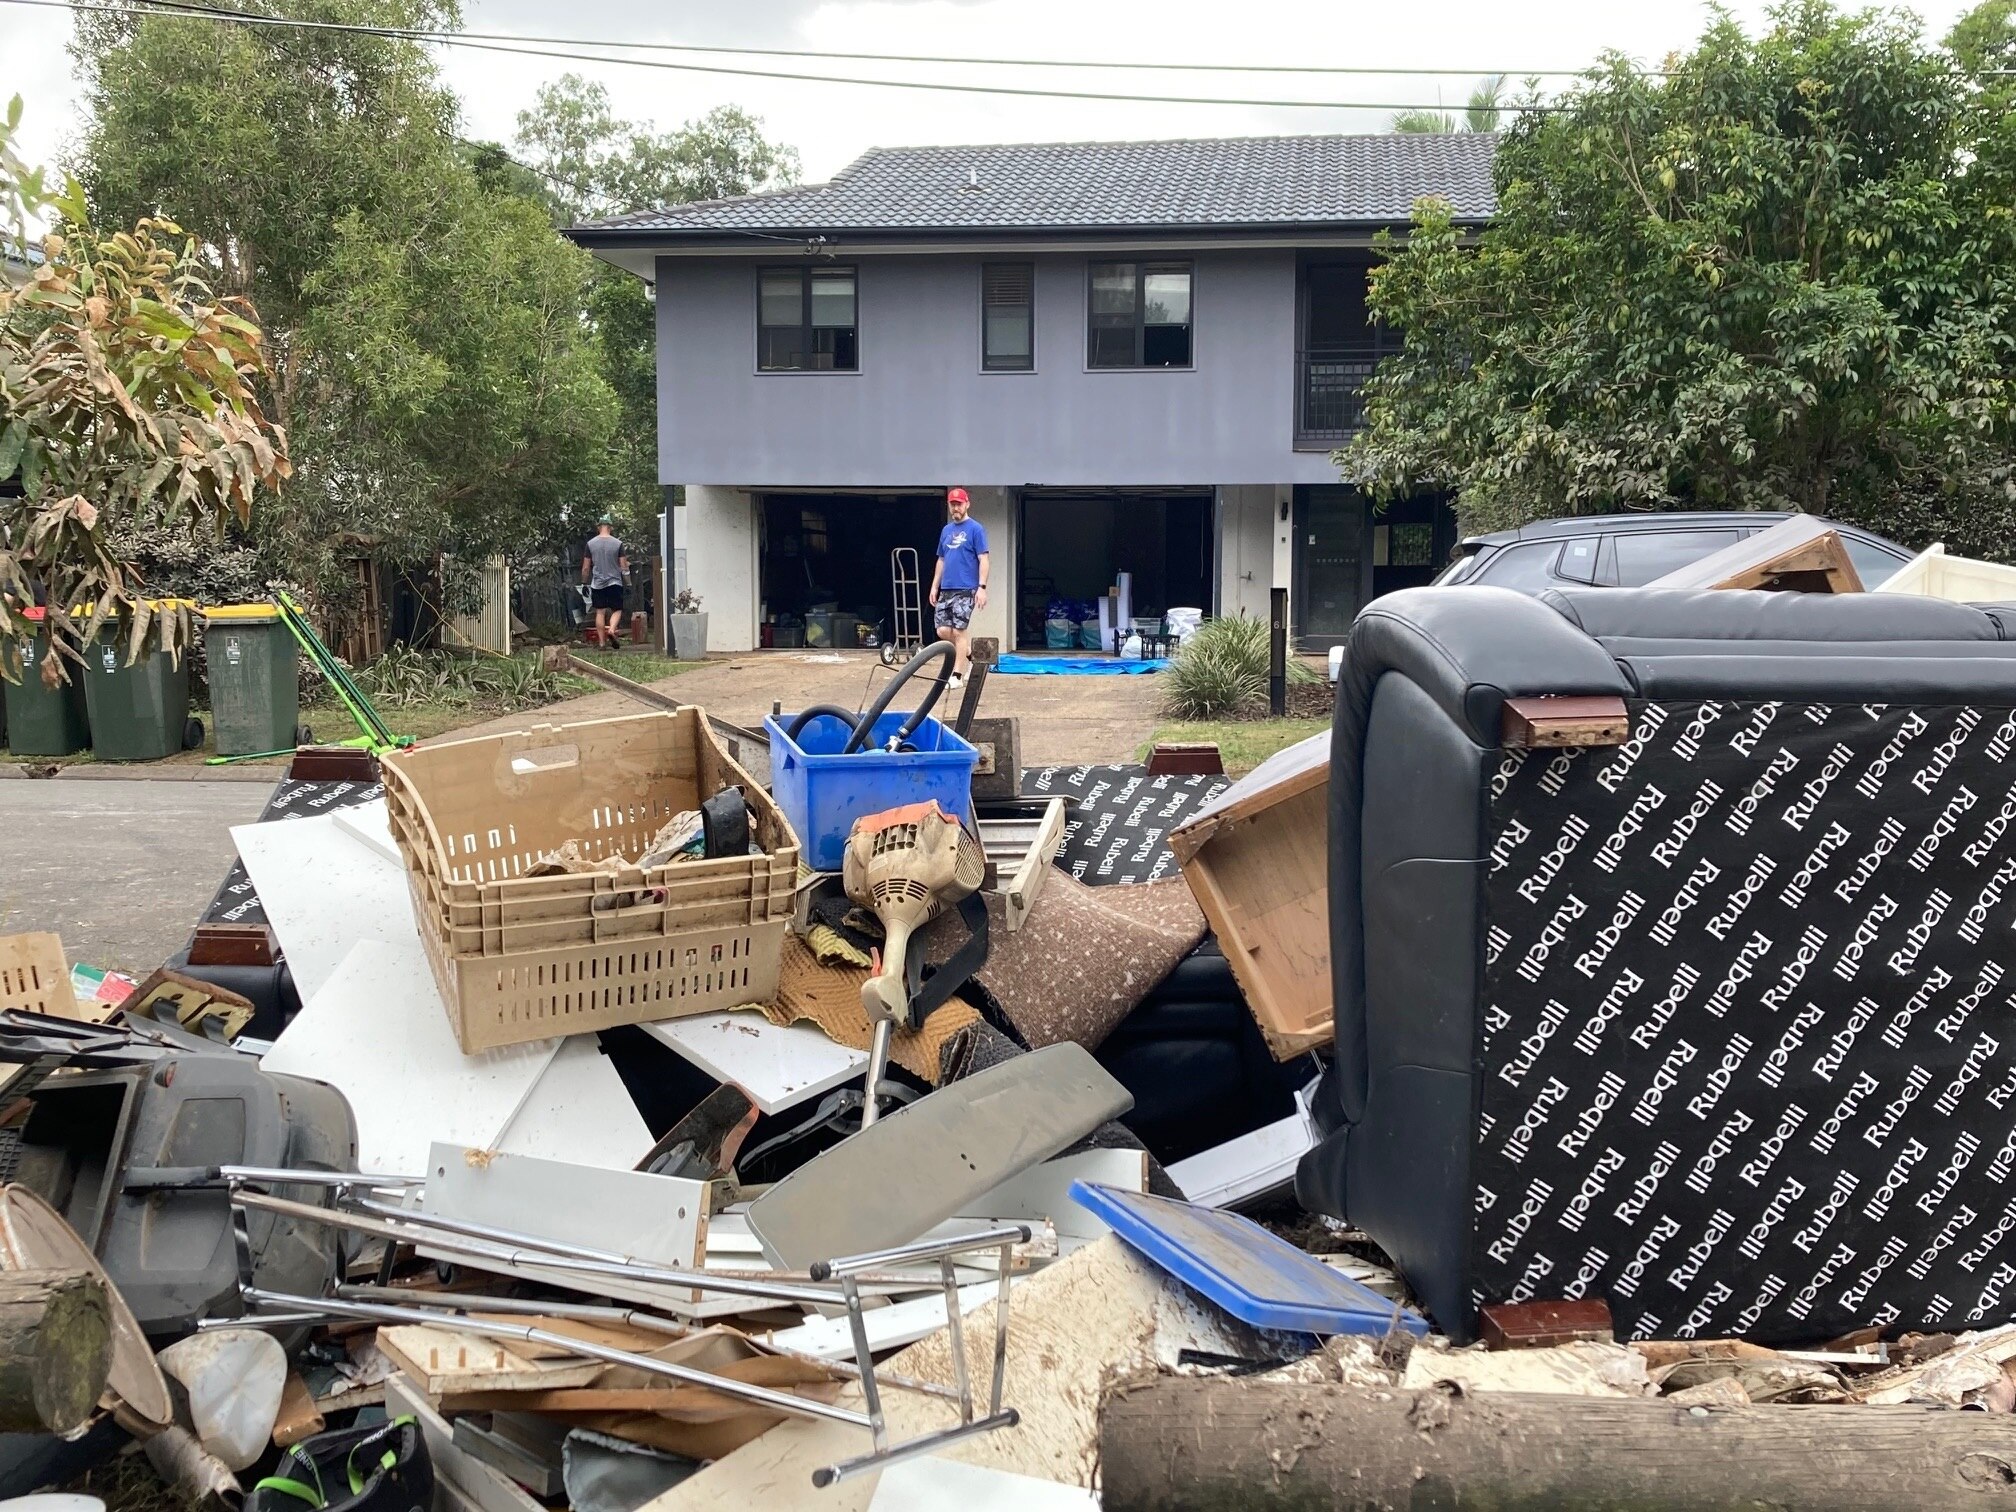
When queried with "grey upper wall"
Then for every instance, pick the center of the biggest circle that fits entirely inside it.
(920, 412)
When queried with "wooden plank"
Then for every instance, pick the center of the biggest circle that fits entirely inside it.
(299, 1417)
(35, 977)
(467, 1477)
(441, 1361)
(1802, 554)
(1026, 884)
(1534, 723)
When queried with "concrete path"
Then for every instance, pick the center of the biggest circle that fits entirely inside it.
(119, 868)
(1064, 719)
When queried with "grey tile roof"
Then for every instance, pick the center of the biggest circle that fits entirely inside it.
(1218, 183)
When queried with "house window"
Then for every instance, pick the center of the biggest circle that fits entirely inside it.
(805, 320)
(1140, 315)
(1008, 317)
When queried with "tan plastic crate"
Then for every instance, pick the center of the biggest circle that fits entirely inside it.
(523, 958)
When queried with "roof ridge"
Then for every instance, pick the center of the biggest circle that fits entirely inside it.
(1206, 141)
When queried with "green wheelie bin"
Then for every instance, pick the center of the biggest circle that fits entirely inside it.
(45, 721)
(255, 680)
(138, 712)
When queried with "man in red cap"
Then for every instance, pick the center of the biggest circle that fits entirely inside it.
(959, 581)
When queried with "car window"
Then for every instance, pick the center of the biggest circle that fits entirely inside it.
(1646, 555)
(1529, 567)
(1873, 564)
(1460, 567)
(1578, 559)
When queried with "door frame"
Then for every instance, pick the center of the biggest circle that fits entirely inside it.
(1301, 596)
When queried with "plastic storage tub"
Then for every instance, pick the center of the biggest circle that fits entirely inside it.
(255, 680)
(45, 721)
(522, 958)
(823, 792)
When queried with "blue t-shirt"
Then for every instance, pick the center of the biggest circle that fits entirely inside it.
(961, 544)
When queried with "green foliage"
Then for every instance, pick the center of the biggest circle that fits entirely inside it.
(405, 678)
(430, 356)
(1480, 114)
(1221, 671)
(1782, 277)
(590, 163)
(127, 406)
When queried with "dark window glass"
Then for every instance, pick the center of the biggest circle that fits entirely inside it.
(1578, 559)
(1008, 317)
(1873, 564)
(1139, 315)
(1528, 567)
(1647, 555)
(805, 320)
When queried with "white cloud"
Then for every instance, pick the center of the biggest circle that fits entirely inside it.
(830, 123)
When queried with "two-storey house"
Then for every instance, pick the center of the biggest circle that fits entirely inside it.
(1136, 356)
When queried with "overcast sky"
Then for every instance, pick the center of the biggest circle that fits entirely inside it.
(830, 123)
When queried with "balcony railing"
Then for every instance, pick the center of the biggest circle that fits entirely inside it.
(1329, 404)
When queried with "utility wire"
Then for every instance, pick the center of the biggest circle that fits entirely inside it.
(1132, 64)
(458, 39)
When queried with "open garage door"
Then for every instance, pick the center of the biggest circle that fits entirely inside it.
(1074, 543)
(828, 553)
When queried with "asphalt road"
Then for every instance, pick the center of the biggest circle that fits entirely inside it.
(120, 869)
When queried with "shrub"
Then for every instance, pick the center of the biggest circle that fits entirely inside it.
(405, 678)
(1221, 672)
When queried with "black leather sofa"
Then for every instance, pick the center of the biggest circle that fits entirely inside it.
(1713, 1025)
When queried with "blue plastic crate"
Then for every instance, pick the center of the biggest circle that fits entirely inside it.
(823, 792)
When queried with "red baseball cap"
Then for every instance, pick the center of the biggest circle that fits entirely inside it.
(956, 496)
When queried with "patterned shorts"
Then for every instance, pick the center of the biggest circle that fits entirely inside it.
(954, 611)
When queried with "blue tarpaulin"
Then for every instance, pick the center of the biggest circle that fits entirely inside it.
(1077, 666)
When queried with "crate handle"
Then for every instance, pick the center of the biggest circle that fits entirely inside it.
(553, 758)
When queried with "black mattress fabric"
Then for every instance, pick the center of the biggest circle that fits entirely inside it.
(1120, 817)
(1745, 1058)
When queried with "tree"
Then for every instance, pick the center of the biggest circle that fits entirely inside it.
(127, 399)
(429, 352)
(592, 164)
(1481, 114)
(1783, 277)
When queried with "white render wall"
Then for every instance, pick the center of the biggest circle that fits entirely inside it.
(1248, 523)
(717, 530)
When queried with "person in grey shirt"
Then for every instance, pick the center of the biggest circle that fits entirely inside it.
(603, 567)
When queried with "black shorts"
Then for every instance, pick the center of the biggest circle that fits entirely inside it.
(607, 598)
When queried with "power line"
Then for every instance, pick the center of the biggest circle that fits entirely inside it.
(1130, 64)
(457, 39)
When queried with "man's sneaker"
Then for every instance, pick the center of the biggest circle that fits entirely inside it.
(954, 680)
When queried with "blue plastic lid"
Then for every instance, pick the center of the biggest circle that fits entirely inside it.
(1257, 1277)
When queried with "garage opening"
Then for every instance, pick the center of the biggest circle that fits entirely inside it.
(824, 562)
(1074, 544)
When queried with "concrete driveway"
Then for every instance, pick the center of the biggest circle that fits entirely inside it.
(1064, 719)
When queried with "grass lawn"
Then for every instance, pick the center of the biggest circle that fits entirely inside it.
(1243, 743)
(330, 722)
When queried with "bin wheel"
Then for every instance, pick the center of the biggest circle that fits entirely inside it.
(192, 734)
(303, 735)
(888, 654)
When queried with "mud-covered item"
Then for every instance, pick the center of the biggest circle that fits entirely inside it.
(379, 1467)
(520, 958)
(1700, 1025)
(123, 1156)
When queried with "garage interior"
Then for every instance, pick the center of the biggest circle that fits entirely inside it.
(833, 548)
(1074, 542)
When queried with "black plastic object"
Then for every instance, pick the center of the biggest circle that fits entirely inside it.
(94, 1143)
(865, 725)
(724, 823)
(377, 1467)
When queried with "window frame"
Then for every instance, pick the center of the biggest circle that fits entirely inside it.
(1142, 266)
(986, 365)
(805, 273)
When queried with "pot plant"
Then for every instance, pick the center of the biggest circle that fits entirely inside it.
(688, 626)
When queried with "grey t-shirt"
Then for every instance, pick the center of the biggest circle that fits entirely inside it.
(604, 554)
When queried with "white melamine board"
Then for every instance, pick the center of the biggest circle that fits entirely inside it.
(779, 1067)
(324, 890)
(377, 1032)
(933, 1484)
(579, 1110)
(659, 1219)
(1044, 1191)
(888, 1327)
(371, 824)
(1246, 1166)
